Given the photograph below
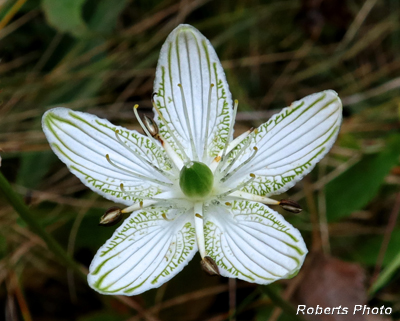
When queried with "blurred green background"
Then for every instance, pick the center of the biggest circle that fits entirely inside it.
(100, 56)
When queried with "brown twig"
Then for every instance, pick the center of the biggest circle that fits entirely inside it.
(232, 299)
(196, 295)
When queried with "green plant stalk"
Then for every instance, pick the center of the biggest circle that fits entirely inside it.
(16, 202)
(385, 275)
(283, 304)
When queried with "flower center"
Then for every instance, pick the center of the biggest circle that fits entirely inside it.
(196, 180)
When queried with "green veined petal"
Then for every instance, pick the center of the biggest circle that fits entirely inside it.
(249, 241)
(144, 253)
(289, 145)
(188, 59)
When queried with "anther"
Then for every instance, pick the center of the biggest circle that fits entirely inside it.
(198, 215)
(151, 126)
(111, 217)
(121, 186)
(209, 266)
(228, 204)
(164, 216)
(290, 206)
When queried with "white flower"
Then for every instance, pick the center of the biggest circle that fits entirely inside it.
(192, 187)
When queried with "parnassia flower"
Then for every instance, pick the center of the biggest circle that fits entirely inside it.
(188, 185)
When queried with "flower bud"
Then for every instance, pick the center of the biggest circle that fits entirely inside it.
(111, 217)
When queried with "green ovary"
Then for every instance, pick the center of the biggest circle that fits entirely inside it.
(196, 180)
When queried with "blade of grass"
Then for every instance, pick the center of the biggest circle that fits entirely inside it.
(11, 13)
(16, 202)
(393, 266)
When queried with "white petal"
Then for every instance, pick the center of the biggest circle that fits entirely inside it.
(144, 252)
(188, 58)
(82, 142)
(249, 241)
(290, 144)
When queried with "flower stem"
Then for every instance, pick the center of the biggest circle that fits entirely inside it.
(283, 304)
(16, 202)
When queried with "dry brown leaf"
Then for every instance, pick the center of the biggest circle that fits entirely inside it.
(332, 283)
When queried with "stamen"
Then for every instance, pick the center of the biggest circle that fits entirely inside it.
(137, 175)
(231, 146)
(255, 198)
(147, 129)
(241, 165)
(141, 122)
(138, 206)
(238, 155)
(165, 174)
(187, 159)
(207, 121)
(176, 159)
(253, 177)
(199, 227)
(164, 197)
(194, 151)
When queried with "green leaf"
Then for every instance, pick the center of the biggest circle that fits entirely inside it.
(29, 174)
(66, 16)
(105, 15)
(367, 252)
(357, 186)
